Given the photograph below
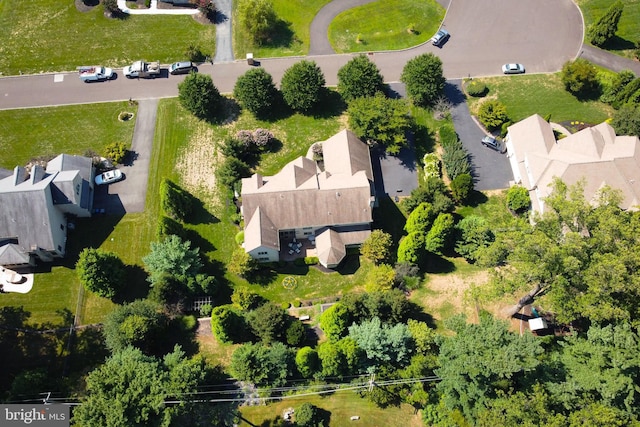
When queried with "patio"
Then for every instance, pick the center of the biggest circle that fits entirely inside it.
(291, 249)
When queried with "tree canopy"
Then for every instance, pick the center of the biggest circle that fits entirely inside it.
(263, 365)
(258, 19)
(172, 256)
(302, 86)
(377, 247)
(256, 92)
(199, 95)
(605, 28)
(424, 79)
(139, 324)
(359, 78)
(101, 272)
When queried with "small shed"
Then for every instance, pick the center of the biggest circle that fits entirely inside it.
(537, 324)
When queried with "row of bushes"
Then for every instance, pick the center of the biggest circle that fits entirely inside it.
(454, 157)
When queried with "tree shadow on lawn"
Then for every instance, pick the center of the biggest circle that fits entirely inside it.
(282, 35)
(618, 43)
(200, 214)
(424, 140)
(136, 286)
(331, 105)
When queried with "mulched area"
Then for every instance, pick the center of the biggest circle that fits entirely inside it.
(86, 6)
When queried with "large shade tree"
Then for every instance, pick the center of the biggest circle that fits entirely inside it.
(101, 272)
(199, 95)
(359, 78)
(256, 92)
(424, 79)
(302, 86)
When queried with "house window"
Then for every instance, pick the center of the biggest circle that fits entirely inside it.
(61, 227)
(264, 258)
(262, 253)
(77, 188)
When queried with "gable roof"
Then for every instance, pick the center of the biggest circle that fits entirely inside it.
(594, 154)
(301, 195)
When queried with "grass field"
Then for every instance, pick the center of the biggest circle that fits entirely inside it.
(293, 37)
(52, 35)
(525, 95)
(341, 406)
(385, 25)
(628, 28)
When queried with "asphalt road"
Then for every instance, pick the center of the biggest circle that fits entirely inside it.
(542, 34)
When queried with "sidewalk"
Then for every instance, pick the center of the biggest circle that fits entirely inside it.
(153, 10)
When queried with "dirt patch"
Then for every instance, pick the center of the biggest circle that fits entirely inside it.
(448, 294)
(197, 164)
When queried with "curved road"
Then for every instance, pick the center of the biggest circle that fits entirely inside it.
(542, 34)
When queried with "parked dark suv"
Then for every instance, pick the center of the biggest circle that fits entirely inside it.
(182, 67)
(491, 142)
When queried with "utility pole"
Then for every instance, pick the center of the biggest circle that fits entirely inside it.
(372, 382)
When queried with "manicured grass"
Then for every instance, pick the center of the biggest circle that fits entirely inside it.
(341, 405)
(628, 33)
(385, 25)
(74, 129)
(293, 37)
(52, 35)
(525, 95)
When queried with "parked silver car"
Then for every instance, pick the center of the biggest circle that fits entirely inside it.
(513, 68)
(108, 177)
(494, 144)
(440, 37)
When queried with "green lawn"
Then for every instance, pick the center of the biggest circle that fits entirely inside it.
(385, 25)
(543, 94)
(341, 405)
(628, 28)
(293, 37)
(74, 129)
(52, 35)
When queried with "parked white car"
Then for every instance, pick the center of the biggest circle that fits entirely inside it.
(95, 73)
(513, 68)
(108, 177)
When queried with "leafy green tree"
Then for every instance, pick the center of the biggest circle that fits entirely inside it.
(339, 358)
(380, 278)
(461, 187)
(256, 92)
(359, 78)
(377, 247)
(518, 199)
(231, 171)
(131, 389)
(306, 415)
(302, 86)
(242, 264)
(626, 121)
(172, 256)
(420, 219)
(474, 234)
(199, 95)
(390, 307)
(101, 272)
(227, 324)
(307, 362)
(433, 190)
(602, 367)
(246, 299)
(481, 359)
(439, 239)
(168, 226)
(380, 120)
(382, 344)
(424, 338)
(263, 365)
(411, 248)
(616, 85)
(296, 333)
(334, 321)
(580, 77)
(492, 114)
(140, 324)
(456, 161)
(268, 322)
(604, 29)
(258, 19)
(424, 79)
(175, 201)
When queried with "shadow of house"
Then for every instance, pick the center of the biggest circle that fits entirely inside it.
(35, 208)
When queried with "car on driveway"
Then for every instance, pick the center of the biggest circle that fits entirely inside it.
(513, 68)
(440, 37)
(108, 177)
(184, 67)
(494, 144)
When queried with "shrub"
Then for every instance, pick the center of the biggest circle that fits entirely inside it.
(518, 199)
(431, 165)
(242, 264)
(299, 262)
(311, 260)
(616, 85)
(604, 29)
(176, 202)
(285, 305)
(461, 187)
(116, 151)
(476, 88)
(580, 77)
(448, 135)
(492, 114)
(296, 303)
(262, 138)
(168, 226)
(626, 121)
(623, 96)
(240, 237)
(205, 310)
(258, 19)
(456, 161)
(188, 323)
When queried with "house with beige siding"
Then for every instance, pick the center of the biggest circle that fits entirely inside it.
(331, 208)
(595, 155)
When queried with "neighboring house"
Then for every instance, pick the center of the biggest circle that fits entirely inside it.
(595, 155)
(34, 208)
(331, 207)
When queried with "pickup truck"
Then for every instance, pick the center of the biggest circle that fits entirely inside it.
(95, 73)
(142, 69)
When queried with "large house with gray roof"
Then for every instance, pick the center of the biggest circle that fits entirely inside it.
(331, 208)
(594, 155)
(35, 207)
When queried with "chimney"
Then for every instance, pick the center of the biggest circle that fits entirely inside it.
(19, 175)
(37, 173)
